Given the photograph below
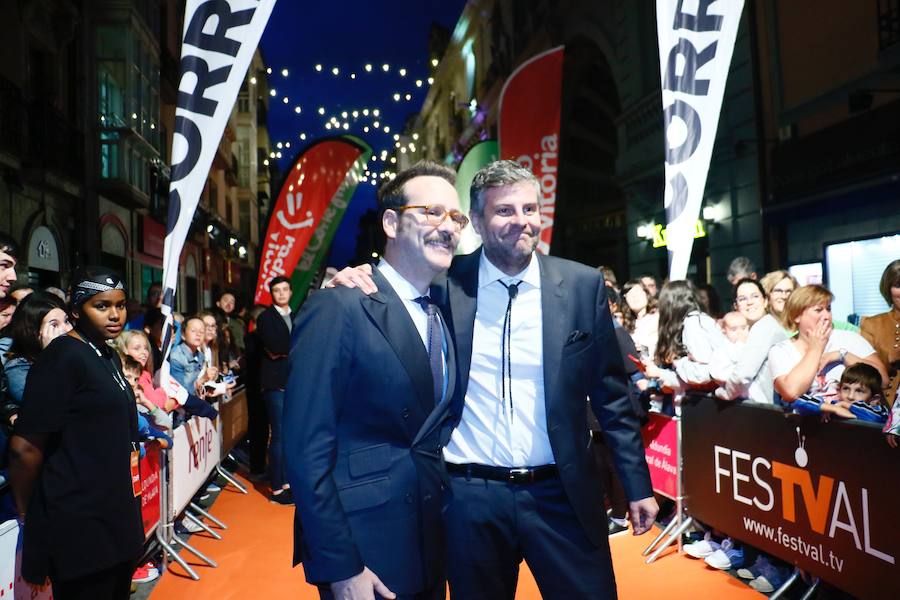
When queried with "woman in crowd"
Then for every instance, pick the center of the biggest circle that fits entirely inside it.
(688, 340)
(640, 317)
(750, 377)
(812, 362)
(883, 331)
(211, 338)
(778, 286)
(39, 320)
(74, 453)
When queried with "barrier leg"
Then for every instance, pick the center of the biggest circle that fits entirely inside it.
(672, 538)
(672, 524)
(168, 550)
(784, 587)
(194, 551)
(201, 524)
(230, 478)
(812, 590)
(197, 508)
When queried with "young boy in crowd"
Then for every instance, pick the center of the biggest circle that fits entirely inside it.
(151, 418)
(861, 395)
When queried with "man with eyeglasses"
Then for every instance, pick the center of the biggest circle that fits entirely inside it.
(368, 408)
(534, 340)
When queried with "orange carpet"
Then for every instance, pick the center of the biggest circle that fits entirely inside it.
(254, 559)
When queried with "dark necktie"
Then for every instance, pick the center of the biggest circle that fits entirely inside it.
(434, 343)
(505, 352)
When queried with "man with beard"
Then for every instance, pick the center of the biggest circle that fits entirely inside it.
(534, 340)
(367, 408)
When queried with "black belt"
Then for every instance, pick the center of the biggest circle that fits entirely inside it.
(513, 475)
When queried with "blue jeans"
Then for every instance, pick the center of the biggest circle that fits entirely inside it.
(275, 407)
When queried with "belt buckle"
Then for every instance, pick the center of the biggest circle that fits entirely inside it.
(521, 475)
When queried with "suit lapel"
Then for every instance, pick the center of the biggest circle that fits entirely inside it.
(553, 322)
(387, 312)
(462, 288)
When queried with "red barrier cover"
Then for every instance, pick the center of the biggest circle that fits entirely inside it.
(660, 436)
(150, 489)
(529, 127)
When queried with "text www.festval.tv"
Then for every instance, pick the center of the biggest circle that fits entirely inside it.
(795, 543)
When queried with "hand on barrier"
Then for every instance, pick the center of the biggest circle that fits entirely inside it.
(642, 514)
(363, 586)
(352, 277)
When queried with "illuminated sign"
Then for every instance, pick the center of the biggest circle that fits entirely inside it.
(659, 233)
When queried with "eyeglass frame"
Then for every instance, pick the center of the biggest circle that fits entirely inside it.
(447, 213)
(746, 299)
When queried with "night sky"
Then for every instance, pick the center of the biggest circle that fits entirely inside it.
(348, 35)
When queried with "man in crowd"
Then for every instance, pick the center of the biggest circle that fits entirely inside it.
(368, 407)
(225, 305)
(524, 482)
(274, 333)
(741, 268)
(9, 255)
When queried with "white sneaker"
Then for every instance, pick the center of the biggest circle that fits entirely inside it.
(703, 548)
(190, 526)
(762, 585)
(727, 556)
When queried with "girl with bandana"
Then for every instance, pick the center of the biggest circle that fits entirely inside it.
(74, 453)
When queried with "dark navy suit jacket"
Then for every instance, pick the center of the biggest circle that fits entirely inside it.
(275, 338)
(581, 360)
(362, 439)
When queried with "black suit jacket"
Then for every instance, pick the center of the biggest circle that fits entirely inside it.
(275, 338)
(362, 441)
(581, 360)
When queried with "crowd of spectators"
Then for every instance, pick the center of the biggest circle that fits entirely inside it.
(779, 345)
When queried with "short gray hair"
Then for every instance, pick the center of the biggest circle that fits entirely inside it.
(741, 267)
(498, 174)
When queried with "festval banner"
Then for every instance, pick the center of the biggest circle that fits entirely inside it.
(529, 127)
(218, 42)
(822, 496)
(695, 51)
(312, 182)
(478, 155)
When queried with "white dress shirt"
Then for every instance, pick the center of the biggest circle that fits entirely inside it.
(408, 293)
(488, 432)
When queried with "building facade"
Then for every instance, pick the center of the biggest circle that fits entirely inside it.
(87, 110)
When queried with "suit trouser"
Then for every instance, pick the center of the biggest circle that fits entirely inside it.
(493, 525)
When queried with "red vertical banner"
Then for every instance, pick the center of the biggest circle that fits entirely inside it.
(308, 188)
(529, 127)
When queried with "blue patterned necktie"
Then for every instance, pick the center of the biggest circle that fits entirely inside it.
(435, 344)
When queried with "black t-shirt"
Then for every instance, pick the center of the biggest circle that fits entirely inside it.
(83, 516)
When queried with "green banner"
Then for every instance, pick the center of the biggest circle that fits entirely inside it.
(478, 155)
(320, 243)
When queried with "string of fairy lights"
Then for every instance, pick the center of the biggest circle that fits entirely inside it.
(363, 121)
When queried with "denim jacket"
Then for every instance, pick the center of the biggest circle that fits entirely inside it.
(185, 365)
